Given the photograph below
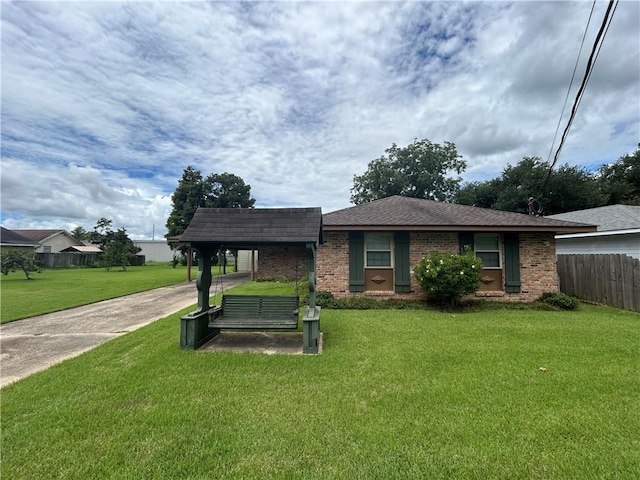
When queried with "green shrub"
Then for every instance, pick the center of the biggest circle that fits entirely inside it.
(446, 277)
(560, 300)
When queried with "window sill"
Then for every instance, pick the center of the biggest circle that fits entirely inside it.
(379, 293)
(490, 293)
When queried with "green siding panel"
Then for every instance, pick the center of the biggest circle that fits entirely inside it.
(402, 281)
(512, 263)
(356, 261)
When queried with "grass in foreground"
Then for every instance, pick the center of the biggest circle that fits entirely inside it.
(53, 290)
(396, 394)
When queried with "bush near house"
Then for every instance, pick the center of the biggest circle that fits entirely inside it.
(448, 277)
(560, 300)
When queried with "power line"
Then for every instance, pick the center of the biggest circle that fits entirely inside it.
(604, 27)
(575, 68)
(595, 59)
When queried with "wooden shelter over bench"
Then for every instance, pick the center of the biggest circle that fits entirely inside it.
(213, 229)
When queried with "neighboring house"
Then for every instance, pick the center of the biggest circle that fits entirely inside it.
(371, 249)
(51, 241)
(618, 231)
(9, 239)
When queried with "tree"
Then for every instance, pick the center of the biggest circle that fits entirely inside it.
(186, 199)
(80, 234)
(218, 190)
(563, 190)
(419, 170)
(117, 248)
(19, 259)
(223, 190)
(620, 181)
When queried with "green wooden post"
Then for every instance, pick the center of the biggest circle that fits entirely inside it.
(194, 327)
(203, 280)
(311, 318)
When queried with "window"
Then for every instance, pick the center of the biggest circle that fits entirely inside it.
(378, 250)
(487, 247)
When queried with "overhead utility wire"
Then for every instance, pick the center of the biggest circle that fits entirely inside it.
(595, 59)
(575, 68)
(587, 75)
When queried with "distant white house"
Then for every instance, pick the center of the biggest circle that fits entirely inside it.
(618, 231)
(50, 241)
(154, 250)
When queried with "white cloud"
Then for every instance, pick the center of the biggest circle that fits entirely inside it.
(104, 104)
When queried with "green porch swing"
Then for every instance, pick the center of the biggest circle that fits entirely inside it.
(212, 229)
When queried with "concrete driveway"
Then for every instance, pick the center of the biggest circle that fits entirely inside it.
(33, 344)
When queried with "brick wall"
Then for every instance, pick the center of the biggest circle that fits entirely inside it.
(332, 264)
(282, 262)
(538, 270)
(537, 261)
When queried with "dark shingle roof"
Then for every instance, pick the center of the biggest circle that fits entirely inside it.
(37, 235)
(10, 237)
(399, 212)
(254, 226)
(611, 217)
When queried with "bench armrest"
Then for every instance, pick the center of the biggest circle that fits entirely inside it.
(215, 312)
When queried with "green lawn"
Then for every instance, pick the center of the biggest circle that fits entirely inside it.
(395, 394)
(53, 290)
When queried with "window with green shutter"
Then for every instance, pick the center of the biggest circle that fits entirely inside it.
(375, 251)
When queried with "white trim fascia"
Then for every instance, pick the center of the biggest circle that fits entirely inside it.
(599, 234)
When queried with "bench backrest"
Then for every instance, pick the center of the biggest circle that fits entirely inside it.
(260, 306)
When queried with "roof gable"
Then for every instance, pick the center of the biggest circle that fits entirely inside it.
(399, 212)
(244, 227)
(608, 218)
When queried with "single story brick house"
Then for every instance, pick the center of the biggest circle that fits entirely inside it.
(371, 249)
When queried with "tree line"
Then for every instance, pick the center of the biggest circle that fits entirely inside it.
(427, 170)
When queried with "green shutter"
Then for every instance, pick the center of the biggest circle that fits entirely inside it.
(464, 239)
(356, 261)
(511, 263)
(402, 281)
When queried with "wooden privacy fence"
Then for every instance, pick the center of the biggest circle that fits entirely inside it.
(610, 279)
(73, 259)
(67, 259)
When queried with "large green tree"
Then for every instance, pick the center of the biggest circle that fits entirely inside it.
(620, 181)
(117, 248)
(218, 190)
(421, 170)
(564, 189)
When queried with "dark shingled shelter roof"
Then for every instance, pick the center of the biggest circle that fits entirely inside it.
(253, 227)
(405, 213)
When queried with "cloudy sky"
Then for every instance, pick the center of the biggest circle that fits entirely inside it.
(105, 103)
